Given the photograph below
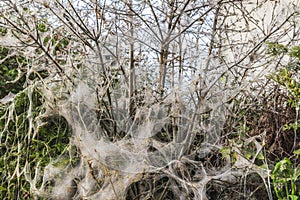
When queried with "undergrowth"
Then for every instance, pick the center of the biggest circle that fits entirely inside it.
(28, 143)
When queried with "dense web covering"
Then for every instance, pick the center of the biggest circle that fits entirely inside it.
(108, 168)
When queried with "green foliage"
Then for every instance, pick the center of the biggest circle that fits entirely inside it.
(22, 151)
(3, 31)
(274, 48)
(229, 153)
(297, 152)
(295, 52)
(27, 141)
(285, 174)
(43, 26)
(286, 78)
(285, 180)
(9, 72)
(58, 41)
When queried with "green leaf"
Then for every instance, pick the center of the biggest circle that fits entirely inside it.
(274, 48)
(225, 151)
(42, 27)
(296, 173)
(297, 152)
(260, 156)
(282, 165)
(2, 188)
(293, 197)
(295, 52)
